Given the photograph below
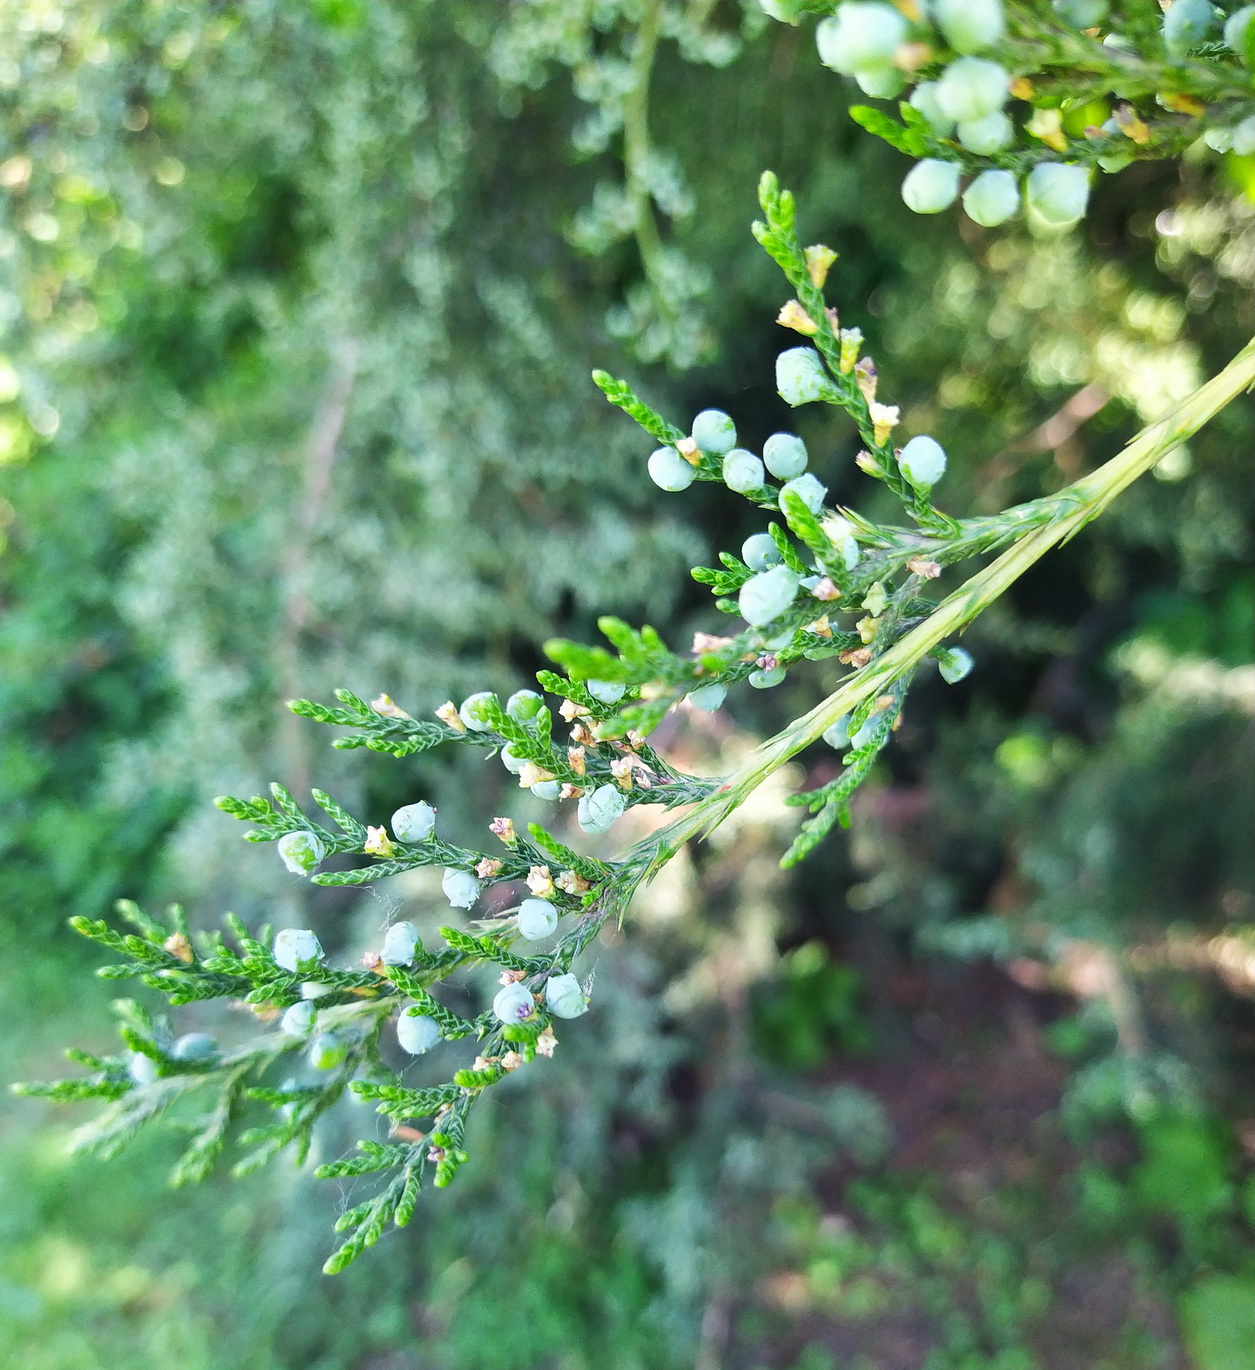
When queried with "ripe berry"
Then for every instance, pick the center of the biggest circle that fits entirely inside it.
(972, 87)
(808, 489)
(301, 851)
(863, 736)
(930, 186)
(765, 596)
(669, 471)
(606, 691)
(785, 10)
(1186, 24)
(837, 735)
(881, 83)
(297, 949)
(742, 471)
(862, 36)
(970, 25)
(766, 680)
(1085, 14)
(142, 1069)
(414, 822)
(597, 811)
(327, 1051)
(564, 997)
(759, 551)
(988, 135)
(416, 1032)
(548, 790)
(195, 1046)
(400, 943)
(474, 712)
(923, 462)
(524, 705)
(1242, 137)
(514, 1004)
(1237, 29)
(461, 888)
(992, 198)
(954, 664)
(514, 764)
(1058, 192)
(708, 698)
(537, 918)
(800, 376)
(298, 1021)
(784, 455)
(924, 99)
(714, 432)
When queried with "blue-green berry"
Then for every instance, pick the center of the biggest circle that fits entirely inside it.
(461, 888)
(548, 790)
(511, 761)
(195, 1046)
(606, 691)
(992, 198)
(1058, 193)
(930, 186)
(784, 455)
(924, 99)
(972, 87)
(1085, 14)
(400, 945)
(1242, 137)
(970, 25)
(742, 471)
(669, 471)
(988, 135)
(808, 489)
(524, 705)
(923, 461)
(837, 735)
(865, 733)
(786, 11)
(142, 1069)
(766, 680)
(414, 822)
(759, 551)
(862, 36)
(800, 376)
(1219, 139)
(881, 83)
(954, 663)
(1237, 30)
(1186, 24)
(537, 919)
(708, 698)
(299, 1020)
(714, 432)
(514, 1004)
(475, 711)
(765, 596)
(416, 1032)
(598, 810)
(564, 997)
(297, 950)
(301, 851)
(327, 1051)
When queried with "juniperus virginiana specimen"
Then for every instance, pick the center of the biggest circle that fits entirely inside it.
(817, 583)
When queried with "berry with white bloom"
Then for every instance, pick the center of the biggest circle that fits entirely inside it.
(606, 691)
(924, 99)
(972, 87)
(954, 663)
(298, 1021)
(1058, 192)
(1238, 27)
(1242, 137)
(765, 596)
(930, 186)
(970, 25)
(301, 851)
(669, 471)
(923, 461)
(548, 790)
(524, 705)
(808, 489)
(708, 698)
(513, 764)
(416, 1032)
(988, 135)
(414, 822)
(784, 455)
(327, 1051)
(992, 198)
(800, 376)
(881, 83)
(784, 10)
(864, 735)
(598, 811)
(564, 997)
(837, 735)
(537, 919)
(714, 432)
(400, 943)
(297, 949)
(514, 1004)
(142, 1069)
(461, 888)
(759, 551)
(195, 1046)
(742, 471)
(863, 35)
(1085, 14)
(766, 680)
(474, 711)
(1186, 24)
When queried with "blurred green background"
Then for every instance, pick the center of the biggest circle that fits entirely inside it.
(298, 300)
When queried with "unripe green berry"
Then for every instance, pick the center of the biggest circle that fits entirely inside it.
(537, 919)
(862, 36)
(765, 596)
(786, 11)
(1237, 30)
(837, 735)
(564, 997)
(808, 489)
(972, 87)
(414, 822)
(548, 790)
(297, 950)
(924, 99)
(923, 462)
(598, 810)
(606, 691)
(524, 705)
(195, 1046)
(992, 198)
(988, 135)
(142, 1069)
(881, 83)
(1186, 24)
(669, 471)
(954, 664)
(759, 551)
(742, 471)
(416, 1031)
(714, 432)
(1058, 193)
(784, 455)
(1085, 14)
(930, 186)
(301, 851)
(460, 888)
(327, 1051)
(800, 376)
(514, 1004)
(766, 680)
(400, 944)
(970, 25)
(474, 711)
(708, 698)
(299, 1020)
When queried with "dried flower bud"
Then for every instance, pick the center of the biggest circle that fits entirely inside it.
(851, 341)
(865, 377)
(378, 843)
(575, 759)
(825, 589)
(178, 945)
(545, 1043)
(569, 791)
(572, 884)
(487, 868)
(793, 316)
(511, 1061)
(885, 418)
(921, 566)
(382, 704)
(818, 259)
(858, 657)
(570, 710)
(539, 881)
(504, 829)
